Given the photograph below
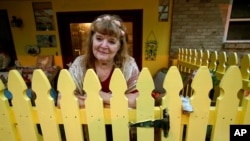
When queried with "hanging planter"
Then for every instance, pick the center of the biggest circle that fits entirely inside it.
(151, 47)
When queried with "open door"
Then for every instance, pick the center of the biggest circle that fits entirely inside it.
(68, 21)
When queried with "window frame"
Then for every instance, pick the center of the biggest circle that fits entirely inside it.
(228, 20)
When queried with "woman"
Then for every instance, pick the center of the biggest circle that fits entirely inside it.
(106, 50)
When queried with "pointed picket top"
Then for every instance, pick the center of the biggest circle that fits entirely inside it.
(92, 87)
(145, 85)
(213, 61)
(69, 106)
(17, 87)
(94, 106)
(14, 79)
(199, 58)
(221, 65)
(230, 85)
(145, 104)
(67, 90)
(232, 80)
(173, 85)
(232, 59)
(22, 106)
(189, 55)
(194, 56)
(202, 76)
(41, 88)
(206, 57)
(119, 106)
(245, 66)
(201, 104)
(185, 53)
(118, 86)
(45, 106)
(180, 54)
(222, 61)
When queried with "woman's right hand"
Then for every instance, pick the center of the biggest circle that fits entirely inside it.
(81, 100)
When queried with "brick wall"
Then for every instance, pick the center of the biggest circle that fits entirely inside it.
(200, 24)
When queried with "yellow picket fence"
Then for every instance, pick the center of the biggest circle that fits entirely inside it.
(192, 59)
(19, 121)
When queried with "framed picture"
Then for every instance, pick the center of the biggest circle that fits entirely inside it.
(163, 10)
(46, 40)
(44, 18)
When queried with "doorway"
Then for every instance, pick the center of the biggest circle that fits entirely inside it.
(6, 37)
(65, 19)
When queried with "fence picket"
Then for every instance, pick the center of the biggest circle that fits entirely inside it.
(227, 104)
(194, 56)
(244, 68)
(206, 57)
(173, 85)
(232, 59)
(7, 129)
(119, 107)
(199, 58)
(185, 53)
(189, 55)
(213, 61)
(245, 119)
(94, 107)
(22, 107)
(45, 106)
(222, 63)
(145, 105)
(198, 120)
(69, 107)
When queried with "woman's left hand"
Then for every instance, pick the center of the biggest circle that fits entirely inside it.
(105, 97)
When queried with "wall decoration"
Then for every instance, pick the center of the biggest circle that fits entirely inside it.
(43, 16)
(46, 40)
(32, 50)
(163, 10)
(151, 47)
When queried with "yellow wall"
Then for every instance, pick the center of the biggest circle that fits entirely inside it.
(27, 34)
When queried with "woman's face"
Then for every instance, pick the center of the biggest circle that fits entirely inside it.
(105, 47)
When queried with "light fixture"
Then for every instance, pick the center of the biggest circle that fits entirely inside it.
(15, 22)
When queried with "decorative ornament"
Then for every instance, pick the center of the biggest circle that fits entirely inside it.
(151, 47)
(32, 50)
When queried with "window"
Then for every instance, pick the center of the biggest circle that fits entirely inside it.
(238, 23)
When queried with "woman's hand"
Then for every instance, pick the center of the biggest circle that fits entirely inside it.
(130, 96)
(105, 97)
(81, 100)
(132, 99)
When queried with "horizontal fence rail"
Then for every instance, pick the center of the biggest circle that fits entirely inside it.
(43, 121)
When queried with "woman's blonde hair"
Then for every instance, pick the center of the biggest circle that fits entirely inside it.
(111, 25)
